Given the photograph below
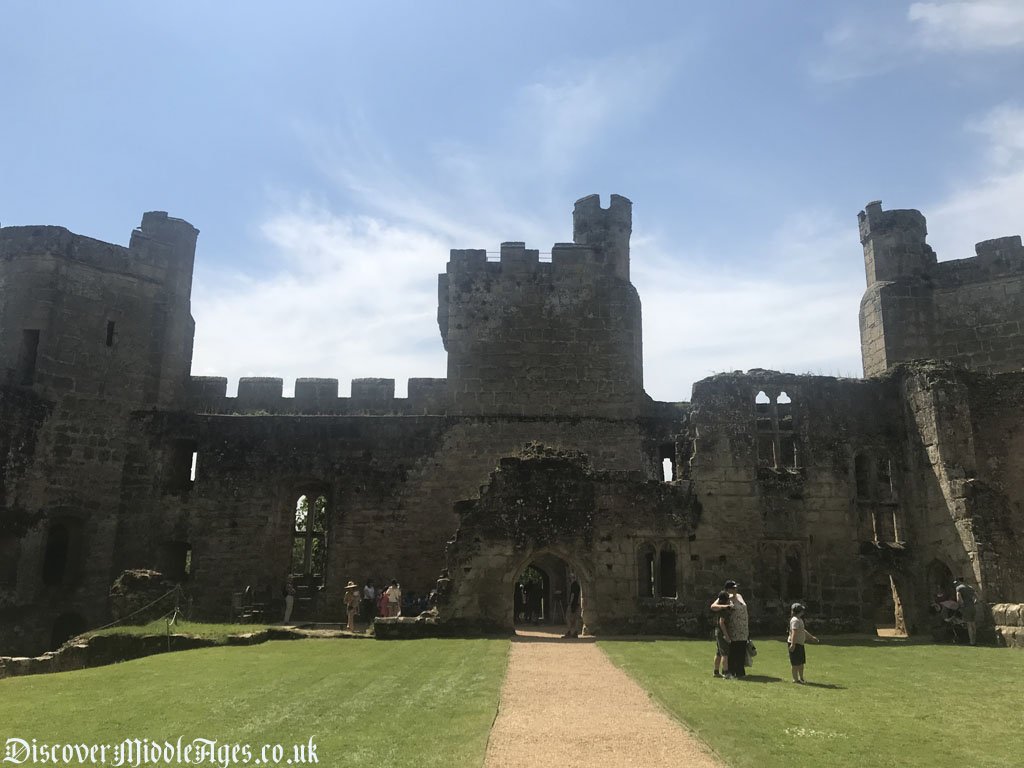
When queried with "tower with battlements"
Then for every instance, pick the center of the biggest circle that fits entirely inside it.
(967, 311)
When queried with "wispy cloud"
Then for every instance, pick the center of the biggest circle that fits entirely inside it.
(860, 46)
(990, 204)
(874, 41)
(797, 312)
(968, 26)
(352, 297)
(356, 295)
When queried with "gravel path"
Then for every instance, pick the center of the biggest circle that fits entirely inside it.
(565, 704)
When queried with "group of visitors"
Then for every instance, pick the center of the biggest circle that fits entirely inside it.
(372, 602)
(733, 648)
(366, 603)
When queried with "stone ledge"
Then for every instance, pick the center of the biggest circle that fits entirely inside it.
(414, 628)
(100, 650)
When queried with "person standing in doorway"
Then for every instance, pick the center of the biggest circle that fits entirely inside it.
(737, 624)
(573, 609)
(967, 601)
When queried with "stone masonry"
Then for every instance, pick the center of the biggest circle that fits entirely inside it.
(862, 498)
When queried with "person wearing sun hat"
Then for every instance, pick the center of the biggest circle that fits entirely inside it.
(351, 604)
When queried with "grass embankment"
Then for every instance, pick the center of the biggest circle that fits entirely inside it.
(867, 702)
(194, 628)
(423, 703)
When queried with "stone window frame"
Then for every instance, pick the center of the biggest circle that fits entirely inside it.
(650, 564)
(312, 537)
(181, 464)
(874, 493)
(775, 430)
(774, 554)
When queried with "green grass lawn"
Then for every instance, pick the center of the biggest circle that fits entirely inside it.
(196, 628)
(868, 703)
(422, 703)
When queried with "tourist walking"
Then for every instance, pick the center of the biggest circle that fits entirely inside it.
(737, 625)
(798, 636)
(351, 605)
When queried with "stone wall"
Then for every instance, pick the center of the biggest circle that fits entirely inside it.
(525, 337)
(91, 332)
(860, 498)
(966, 311)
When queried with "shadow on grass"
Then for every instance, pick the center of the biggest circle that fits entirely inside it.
(760, 679)
(539, 637)
(829, 686)
(839, 641)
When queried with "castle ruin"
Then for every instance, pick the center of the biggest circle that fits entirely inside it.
(860, 497)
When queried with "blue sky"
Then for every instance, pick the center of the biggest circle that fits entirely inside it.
(332, 152)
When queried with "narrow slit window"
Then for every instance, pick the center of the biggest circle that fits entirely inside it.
(667, 573)
(27, 356)
(110, 333)
(182, 462)
(667, 470)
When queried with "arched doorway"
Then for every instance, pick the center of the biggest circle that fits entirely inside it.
(940, 579)
(540, 591)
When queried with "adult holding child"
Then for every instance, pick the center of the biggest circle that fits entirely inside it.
(737, 628)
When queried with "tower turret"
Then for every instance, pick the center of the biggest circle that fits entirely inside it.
(605, 229)
(894, 243)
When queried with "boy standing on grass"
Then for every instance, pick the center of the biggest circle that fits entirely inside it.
(798, 635)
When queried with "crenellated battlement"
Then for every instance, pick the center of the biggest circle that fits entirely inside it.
(159, 245)
(568, 259)
(607, 230)
(261, 395)
(600, 243)
(917, 307)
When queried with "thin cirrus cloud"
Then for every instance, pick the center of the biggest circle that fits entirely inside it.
(968, 26)
(874, 41)
(990, 204)
(354, 294)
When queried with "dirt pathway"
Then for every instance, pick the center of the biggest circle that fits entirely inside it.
(565, 704)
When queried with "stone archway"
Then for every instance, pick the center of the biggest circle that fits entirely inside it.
(939, 579)
(558, 567)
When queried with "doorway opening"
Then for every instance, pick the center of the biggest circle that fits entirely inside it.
(540, 592)
(889, 619)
